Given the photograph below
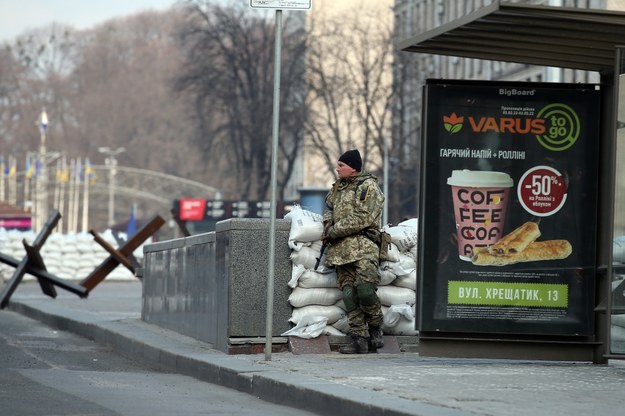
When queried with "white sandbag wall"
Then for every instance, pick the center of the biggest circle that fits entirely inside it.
(315, 293)
(67, 256)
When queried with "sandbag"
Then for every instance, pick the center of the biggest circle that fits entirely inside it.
(296, 273)
(386, 276)
(403, 237)
(330, 330)
(332, 312)
(312, 279)
(394, 295)
(308, 327)
(305, 225)
(306, 256)
(317, 296)
(403, 327)
(394, 313)
(408, 281)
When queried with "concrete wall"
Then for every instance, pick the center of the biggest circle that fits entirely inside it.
(213, 286)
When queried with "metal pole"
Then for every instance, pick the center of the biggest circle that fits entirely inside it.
(274, 170)
(41, 177)
(112, 162)
(385, 184)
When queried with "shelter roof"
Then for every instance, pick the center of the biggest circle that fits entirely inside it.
(540, 35)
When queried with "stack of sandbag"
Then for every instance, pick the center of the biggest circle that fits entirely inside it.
(398, 275)
(71, 256)
(316, 294)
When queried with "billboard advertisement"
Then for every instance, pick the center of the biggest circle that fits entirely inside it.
(508, 208)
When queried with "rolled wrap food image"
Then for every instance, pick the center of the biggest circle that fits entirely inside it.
(480, 201)
(517, 240)
(521, 246)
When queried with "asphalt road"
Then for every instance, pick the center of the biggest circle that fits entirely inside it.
(46, 372)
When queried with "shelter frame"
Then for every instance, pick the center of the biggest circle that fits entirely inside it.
(584, 39)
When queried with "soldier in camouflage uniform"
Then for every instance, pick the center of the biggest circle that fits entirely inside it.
(352, 219)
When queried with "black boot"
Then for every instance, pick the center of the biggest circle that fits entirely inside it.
(359, 345)
(375, 337)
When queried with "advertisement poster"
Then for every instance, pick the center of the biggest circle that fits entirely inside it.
(509, 208)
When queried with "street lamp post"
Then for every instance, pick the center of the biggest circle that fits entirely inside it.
(111, 163)
(41, 178)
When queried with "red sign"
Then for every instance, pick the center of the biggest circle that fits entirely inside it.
(542, 191)
(192, 209)
(15, 223)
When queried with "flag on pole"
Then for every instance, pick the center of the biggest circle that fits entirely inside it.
(13, 168)
(29, 169)
(131, 228)
(89, 172)
(64, 174)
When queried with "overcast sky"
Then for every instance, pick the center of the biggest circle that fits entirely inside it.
(18, 16)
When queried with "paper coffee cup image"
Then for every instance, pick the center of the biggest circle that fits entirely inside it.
(480, 201)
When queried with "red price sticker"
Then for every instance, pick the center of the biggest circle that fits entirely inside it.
(542, 191)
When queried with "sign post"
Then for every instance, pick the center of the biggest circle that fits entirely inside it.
(278, 5)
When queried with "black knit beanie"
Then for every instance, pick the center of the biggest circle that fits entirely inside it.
(352, 158)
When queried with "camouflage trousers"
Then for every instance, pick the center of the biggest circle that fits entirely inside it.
(358, 281)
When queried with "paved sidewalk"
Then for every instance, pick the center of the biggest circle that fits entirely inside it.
(335, 384)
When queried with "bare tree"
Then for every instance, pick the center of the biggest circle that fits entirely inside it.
(123, 82)
(229, 72)
(35, 66)
(351, 90)
(107, 86)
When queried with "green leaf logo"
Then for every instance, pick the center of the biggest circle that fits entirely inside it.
(453, 123)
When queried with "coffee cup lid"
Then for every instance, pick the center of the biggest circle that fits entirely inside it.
(479, 178)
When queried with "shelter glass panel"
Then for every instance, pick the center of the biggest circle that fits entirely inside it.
(617, 317)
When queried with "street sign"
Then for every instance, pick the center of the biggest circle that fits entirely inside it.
(282, 4)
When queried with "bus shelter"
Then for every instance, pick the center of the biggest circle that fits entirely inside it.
(565, 180)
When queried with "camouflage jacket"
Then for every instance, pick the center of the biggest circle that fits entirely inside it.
(352, 205)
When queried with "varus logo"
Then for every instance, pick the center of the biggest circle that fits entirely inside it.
(453, 124)
(508, 125)
(556, 126)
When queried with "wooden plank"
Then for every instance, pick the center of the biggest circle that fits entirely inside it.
(106, 246)
(120, 242)
(35, 260)
(11, 285)
(108, 265)
(41, 238)
(43, 274)
(25, 264)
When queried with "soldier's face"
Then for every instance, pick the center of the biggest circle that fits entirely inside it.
(345, 171)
